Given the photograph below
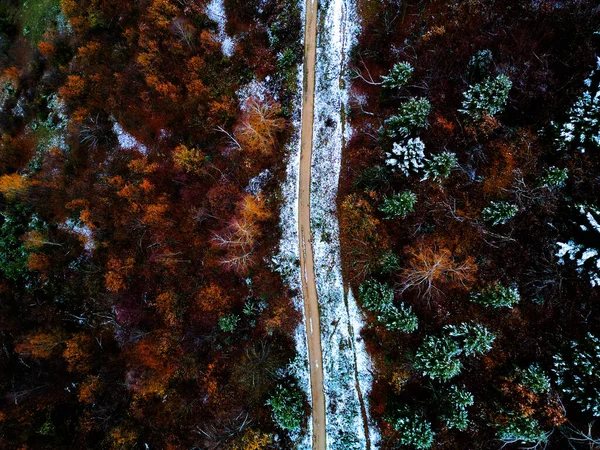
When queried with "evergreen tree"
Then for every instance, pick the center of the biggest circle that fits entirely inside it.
(407, 157)
(498, 213)
(401, 318)
(497, 296)
(376, 296)
(521, 430)
(398, 205)
(439, 166)
(413, 429)
(577, 372)
(535, 379)
(456, 401)
(287, 407)
(487, 98)
(412, 117)
(554, 178)
(399, 76)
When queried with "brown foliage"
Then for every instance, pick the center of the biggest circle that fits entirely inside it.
(429, 270)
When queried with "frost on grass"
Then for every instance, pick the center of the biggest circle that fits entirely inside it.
(215, 11)
(345, 361)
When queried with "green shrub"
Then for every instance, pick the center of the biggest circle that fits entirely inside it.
(398, 205)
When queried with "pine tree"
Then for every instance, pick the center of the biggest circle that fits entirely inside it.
(399, 318)
(439, 166)
(413, 429)
(376, 296)
(398, 76)
(486, 99)
(411, 118)
(498, 213)
(398, 205)
(535, 379)
(577, 371)
(287, 407)
(497, 296)
(407, 157)
(554, 178)
(521, 430)
(456, 401)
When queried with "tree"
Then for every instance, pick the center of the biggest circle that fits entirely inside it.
(586, 256)
(582, 130)
(429, 269)
(399, 76)
(439, 356)
(497, 296)
(554, 178)
(190, 160)
(40, 345)
(473, 337)
(439, 166)
(407, 157)
(535, 379)
(398, 205)
(479, 64)
(498, 213)
(413, 429)
(412, 117)
(521, 430)
(486, 99)
(375, 296)
(577, 371)
(399, 318)
(260, 124)
(229, 322)
(287, 407)
(455, 403)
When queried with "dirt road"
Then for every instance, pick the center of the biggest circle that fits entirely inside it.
(309, 287)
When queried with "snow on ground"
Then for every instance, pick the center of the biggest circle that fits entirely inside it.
(83, 231)
(345, 360)
(287, 261)
(215, 11)
(127, 141)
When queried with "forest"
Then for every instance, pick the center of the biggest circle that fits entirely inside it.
(148, 299)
